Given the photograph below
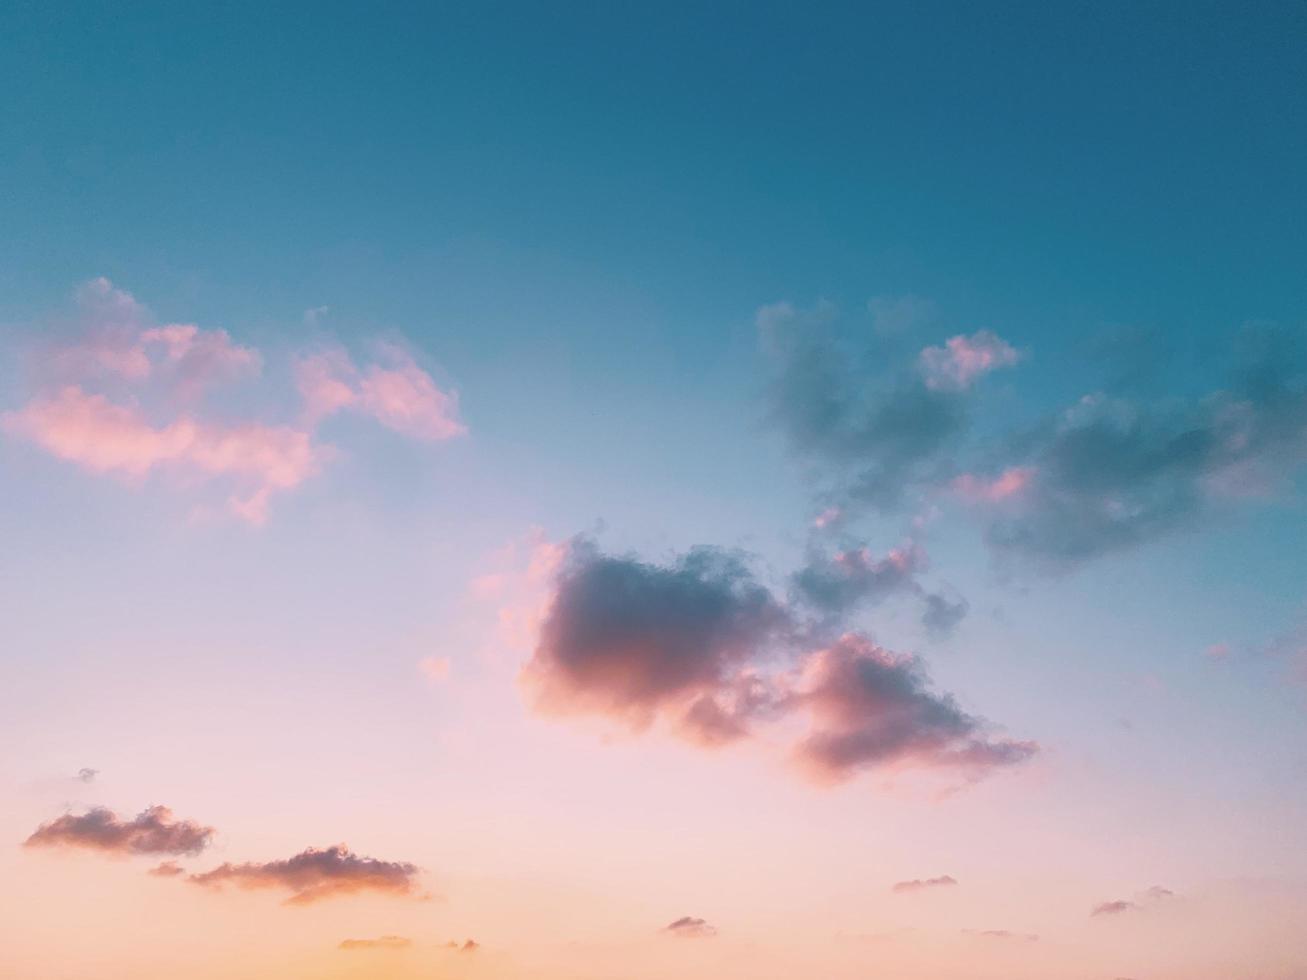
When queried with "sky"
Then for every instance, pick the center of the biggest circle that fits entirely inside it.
(604, 491)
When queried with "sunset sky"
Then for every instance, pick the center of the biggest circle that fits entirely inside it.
(730, 491)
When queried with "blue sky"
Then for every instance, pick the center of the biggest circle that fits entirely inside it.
(572, 215)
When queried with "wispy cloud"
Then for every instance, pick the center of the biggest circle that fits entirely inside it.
(381, 942)
(921, 884)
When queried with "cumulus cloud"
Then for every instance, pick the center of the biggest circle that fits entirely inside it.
(152, 831)
(701, 646)
(961, 360)
(688, 927)
(920, 884)
(381, 942)
(316, 874)
(870, 707)
(632, 639)
(87, 774)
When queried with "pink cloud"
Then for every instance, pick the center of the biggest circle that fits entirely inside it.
(124, 399)
(919, 884)
(399, 395)
(961, 360)
(1008, 484)
(99, 435)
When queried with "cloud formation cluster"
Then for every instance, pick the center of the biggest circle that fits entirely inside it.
(704, 648)
(127, 398)
(1102, 474)
(152, 831)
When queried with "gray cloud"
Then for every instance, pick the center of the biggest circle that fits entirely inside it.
(629, 638)
(152, 831)
(702, 646)
(688, 927)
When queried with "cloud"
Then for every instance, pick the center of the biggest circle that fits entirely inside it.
(835, 585)
(104, 437)
(856, 577)
(314, 874)
(961, 360)
(875, 436)
(87, 775)
(1111, 473)
(1112, 908)
(397, 393)
(152, 831)
(167, 869)
(870, 707)
(919, 884)
(702, 647)
(126, 398)
(688, 927)
(381, 942)
(630, 639)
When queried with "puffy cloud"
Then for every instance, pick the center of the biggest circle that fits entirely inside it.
(920, 884)
(688, 927)
(631, 639)
(397, 393)
(316, 874)
(381, 942)
(124, 398)
(870, 707)
(167, 869)
(701, 646)
(152, 831)
(961, 360)
(87, 774)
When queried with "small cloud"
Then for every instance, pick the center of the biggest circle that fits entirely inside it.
(1158, 894)
(381, 942)
(1218, 652)
(1112, 908)
(152, 831)
(919, 884)
(471, 946)
(961, 360)
(87, 775)
(315, 874)
(315, 314)
(167, 869)
(688, 927)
